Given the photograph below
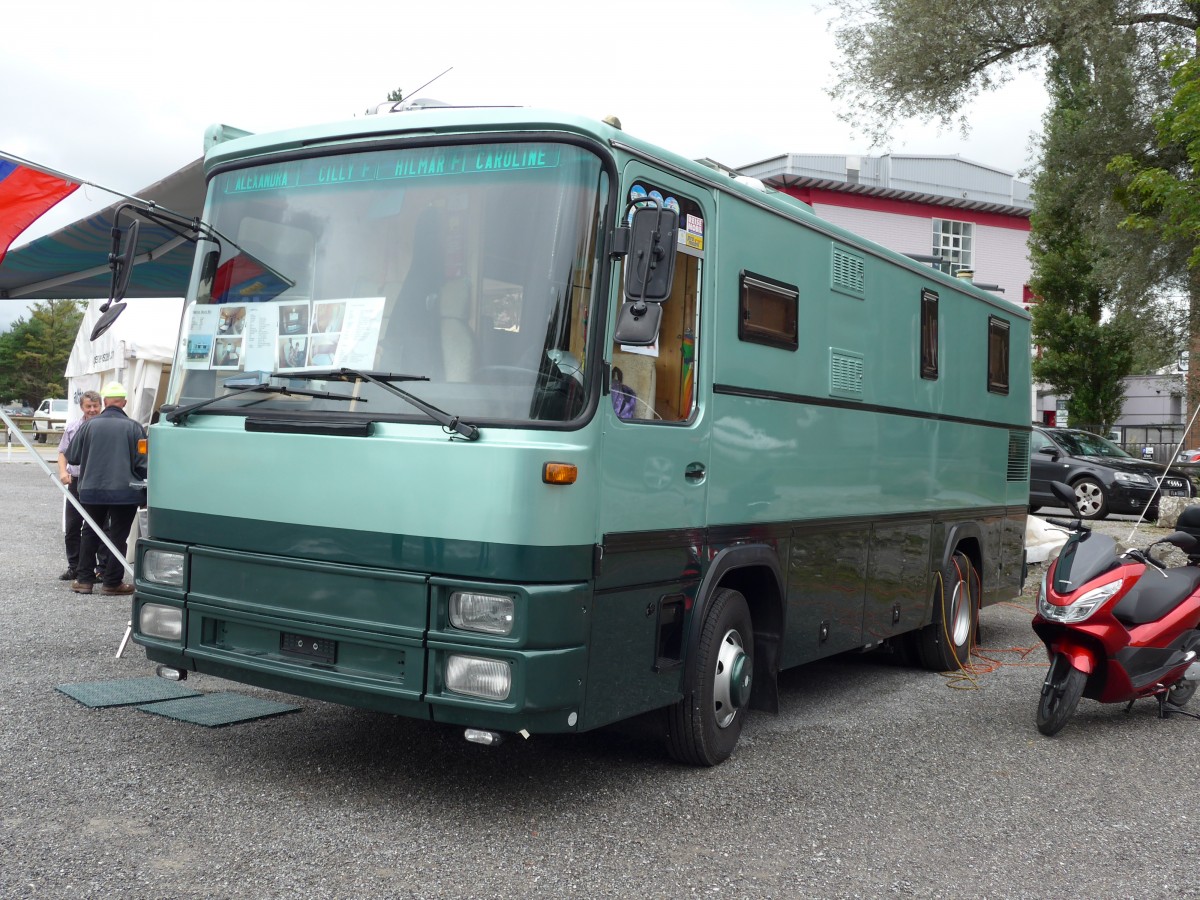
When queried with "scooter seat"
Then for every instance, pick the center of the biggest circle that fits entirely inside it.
(1154, 596)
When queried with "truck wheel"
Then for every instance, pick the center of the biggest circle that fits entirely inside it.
(703, 727)
(945, 644)
(1060, 695)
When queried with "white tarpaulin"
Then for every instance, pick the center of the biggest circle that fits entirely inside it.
(1042, 540)
(134, 351)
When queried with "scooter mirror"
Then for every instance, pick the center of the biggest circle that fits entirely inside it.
(1065, 493)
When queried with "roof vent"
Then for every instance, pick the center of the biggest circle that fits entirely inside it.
(752, 183)
(391, 106)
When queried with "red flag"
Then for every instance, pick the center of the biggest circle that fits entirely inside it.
(24, 195)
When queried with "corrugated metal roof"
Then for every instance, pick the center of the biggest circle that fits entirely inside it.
(945, 180)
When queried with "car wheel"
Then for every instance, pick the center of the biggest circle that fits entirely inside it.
(1090, 498)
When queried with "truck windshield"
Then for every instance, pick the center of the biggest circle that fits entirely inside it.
(467, 267)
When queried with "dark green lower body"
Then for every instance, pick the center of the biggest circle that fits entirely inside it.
(339, 620)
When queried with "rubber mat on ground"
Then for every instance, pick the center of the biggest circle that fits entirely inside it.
(126, 692)
(215, 710)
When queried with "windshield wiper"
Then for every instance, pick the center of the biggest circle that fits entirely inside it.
(179, 414)
(384, 380)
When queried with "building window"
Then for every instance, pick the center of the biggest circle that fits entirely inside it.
(768, 312)
(954, 242)
(997, 355)
(929, 334)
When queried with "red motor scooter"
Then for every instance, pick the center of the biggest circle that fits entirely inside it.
(1117, 625)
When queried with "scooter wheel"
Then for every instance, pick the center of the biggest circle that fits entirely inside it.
(1060, 695)
(1181, 692)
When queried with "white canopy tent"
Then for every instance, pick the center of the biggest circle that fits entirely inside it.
(136, 351)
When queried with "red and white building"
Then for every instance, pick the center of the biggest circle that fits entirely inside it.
(966, 214)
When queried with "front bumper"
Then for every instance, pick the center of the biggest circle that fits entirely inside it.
(376, 639)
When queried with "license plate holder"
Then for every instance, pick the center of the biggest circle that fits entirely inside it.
(303, 646)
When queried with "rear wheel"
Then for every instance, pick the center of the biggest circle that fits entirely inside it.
(1090, 498)
(945, 645)
(1060, 695)
(703, 727)
(1181, 692)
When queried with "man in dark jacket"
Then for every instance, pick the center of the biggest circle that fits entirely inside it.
(106, 450)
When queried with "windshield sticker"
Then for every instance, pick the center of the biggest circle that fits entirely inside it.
(285, 336)
(202, 329)
(227, 353)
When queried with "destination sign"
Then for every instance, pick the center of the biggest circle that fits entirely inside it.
(391, 165)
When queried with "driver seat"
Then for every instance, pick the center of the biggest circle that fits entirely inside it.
(460, 347)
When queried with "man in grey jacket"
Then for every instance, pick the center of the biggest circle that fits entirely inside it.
(106, 451)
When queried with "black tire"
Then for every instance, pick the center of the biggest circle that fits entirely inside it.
(704, 727)
(945, 644)
(1090, 498)
(1180, 693)
(1060, 695)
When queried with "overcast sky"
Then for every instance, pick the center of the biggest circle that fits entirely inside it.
(120, 92)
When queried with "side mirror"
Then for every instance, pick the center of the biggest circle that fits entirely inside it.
(1051, 452)
(121, 260)
(638, 323)
(650, 266)
(649, 274)
(1066, 494)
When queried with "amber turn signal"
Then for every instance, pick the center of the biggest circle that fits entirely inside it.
(143, 445)
(559, 473)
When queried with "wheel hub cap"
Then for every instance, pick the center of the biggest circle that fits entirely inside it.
(731, 681)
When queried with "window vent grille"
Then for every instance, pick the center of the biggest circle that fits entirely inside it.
(849, 272)
(845, 374)
(1018, 455)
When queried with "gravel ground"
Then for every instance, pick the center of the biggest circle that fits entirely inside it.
(874, 780)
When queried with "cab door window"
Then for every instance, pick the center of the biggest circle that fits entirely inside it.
(657, 383)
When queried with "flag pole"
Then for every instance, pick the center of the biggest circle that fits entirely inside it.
(30, 164)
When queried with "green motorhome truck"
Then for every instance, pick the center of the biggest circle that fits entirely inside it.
(509, 420)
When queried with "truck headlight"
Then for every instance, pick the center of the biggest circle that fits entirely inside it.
(488, 613)
(159, 621)
(163, 567)
(476, 676)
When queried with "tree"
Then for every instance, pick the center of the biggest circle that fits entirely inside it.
(34, 352)
(931, 58)
(1162, 190)
(1083, 355)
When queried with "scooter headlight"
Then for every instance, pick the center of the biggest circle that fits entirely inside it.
(1082, 608)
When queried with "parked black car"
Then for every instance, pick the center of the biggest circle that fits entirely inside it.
(1106, 479)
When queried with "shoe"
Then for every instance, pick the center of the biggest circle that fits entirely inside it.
(68, 575)
(81, 587)
(116, 589)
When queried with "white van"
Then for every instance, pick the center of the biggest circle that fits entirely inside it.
(51, 415)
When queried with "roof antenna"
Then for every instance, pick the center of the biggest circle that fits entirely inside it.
(406, 101)
(428, 83)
